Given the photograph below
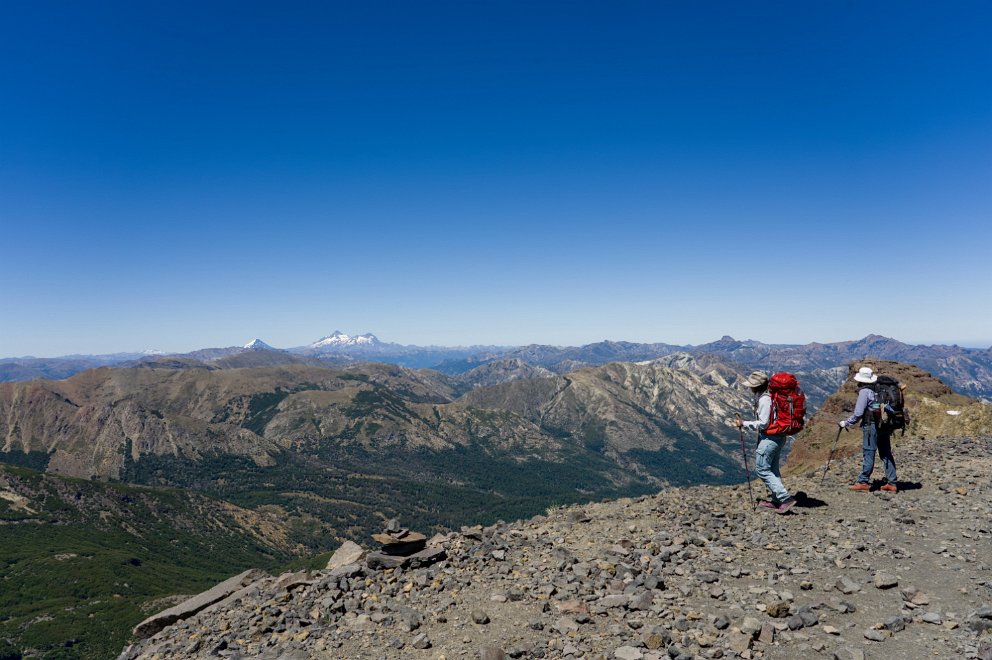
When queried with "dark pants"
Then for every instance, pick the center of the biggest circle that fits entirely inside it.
(877, 440)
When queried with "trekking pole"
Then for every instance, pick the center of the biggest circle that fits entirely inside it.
(747, 471)
(830, 456)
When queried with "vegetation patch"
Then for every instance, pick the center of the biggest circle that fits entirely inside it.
(34, 460)
(74, 581)
(689, 463)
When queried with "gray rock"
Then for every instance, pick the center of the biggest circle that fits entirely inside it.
(613, 600)
(188, 608)
(708, 577)
(425, 557)
(740, 642)
(885, 581)
(809, 617)
(380, 561)
(411, 619)
(628, 653)
(875, 635)
(349, 553)
(848, 654)
(979, 625)
(480, 617)
(750, 626)
(290, 581)
(347, 570)
(895, 624)
(847, 586)
(641, 602)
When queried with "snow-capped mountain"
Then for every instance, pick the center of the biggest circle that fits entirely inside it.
(258, 345)
(338, 339)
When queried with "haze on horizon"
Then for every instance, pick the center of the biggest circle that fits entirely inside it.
(184, 176)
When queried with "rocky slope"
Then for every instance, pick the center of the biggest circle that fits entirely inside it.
(498, 372)
(686, 573)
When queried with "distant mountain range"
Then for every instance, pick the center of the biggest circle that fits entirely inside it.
(967, 370)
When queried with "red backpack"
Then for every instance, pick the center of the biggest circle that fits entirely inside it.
(788, 405)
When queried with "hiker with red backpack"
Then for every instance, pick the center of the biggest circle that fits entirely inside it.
(876, 434)
(779, 409)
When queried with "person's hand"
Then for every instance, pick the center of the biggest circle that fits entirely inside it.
(739, 423)
(843, 424)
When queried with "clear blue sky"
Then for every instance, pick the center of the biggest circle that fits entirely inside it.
(177, 175)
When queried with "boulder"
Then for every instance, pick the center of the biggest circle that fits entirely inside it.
(349, 553)
(188, 608)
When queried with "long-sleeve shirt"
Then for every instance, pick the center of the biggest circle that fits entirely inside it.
(866, 397)
(763, 411)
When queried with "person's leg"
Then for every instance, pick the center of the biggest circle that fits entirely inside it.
(885, 453)
(765, 457)
(868, 448)
(777, 456)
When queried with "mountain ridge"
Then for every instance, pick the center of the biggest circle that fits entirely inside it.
(968, 370)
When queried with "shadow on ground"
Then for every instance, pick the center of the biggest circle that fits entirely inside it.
(807, 502)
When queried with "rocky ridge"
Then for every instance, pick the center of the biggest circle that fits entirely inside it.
(686, 573)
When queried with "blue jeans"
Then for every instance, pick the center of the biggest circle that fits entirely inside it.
(877, 440)
(766, 465)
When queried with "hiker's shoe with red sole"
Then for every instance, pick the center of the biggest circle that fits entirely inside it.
(890, 488)
(768, 504)
(861, 486)
(786, 504)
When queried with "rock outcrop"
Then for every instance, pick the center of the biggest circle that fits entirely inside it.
(687, 573)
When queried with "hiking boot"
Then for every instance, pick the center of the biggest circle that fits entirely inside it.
(861, 486)
(768, 504)
(890, 488)
(786, 504)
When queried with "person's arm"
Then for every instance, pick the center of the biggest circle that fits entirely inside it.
(864, 398)
(764, 414)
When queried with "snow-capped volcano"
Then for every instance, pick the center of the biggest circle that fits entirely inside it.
(258, 345)
(338, 338)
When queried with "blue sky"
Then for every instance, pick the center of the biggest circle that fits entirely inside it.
(180, 175)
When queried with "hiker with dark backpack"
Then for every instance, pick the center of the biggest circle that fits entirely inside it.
(773, 424)
(877, 434)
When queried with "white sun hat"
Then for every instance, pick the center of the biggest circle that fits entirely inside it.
(865, 375)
